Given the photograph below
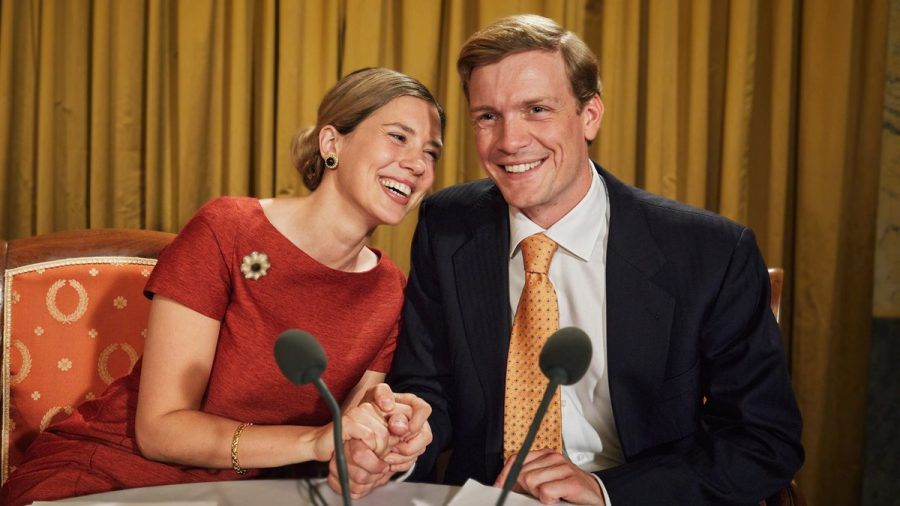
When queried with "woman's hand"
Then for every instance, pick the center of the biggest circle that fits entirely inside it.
(365, 423)
(406, 419)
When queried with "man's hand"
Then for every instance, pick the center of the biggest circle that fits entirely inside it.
(407, 418)
(382, 396)
(405, 453)
(551, 477)
(413, 430)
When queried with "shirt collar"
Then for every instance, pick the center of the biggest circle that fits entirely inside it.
(576, 232)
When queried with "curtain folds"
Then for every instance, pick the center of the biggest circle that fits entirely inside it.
(841, 92)
(133, 114)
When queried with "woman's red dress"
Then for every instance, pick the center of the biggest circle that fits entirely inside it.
(353, 315)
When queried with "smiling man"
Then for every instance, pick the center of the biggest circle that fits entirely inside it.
(687, 399)
(532, 133)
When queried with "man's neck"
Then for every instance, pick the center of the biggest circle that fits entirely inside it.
(548, 214)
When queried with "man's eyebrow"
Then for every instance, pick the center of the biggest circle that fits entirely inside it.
(481, 108)
(538, 100)
(547, 99)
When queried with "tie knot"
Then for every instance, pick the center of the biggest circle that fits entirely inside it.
(537, 252)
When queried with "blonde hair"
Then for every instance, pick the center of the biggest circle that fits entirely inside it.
(348, 104)
(529, 32)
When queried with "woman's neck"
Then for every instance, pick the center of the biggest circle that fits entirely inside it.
(324, 229)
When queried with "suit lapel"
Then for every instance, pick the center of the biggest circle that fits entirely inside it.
(481, 270)
(639, 317)
(639, 313)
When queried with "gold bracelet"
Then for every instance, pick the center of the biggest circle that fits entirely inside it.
(234, 448)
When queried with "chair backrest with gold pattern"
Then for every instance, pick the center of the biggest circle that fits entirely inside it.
(74, 319)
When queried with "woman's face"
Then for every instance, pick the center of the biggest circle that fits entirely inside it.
(387, 163)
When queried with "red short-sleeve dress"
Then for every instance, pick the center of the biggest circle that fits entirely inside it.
(211, 268)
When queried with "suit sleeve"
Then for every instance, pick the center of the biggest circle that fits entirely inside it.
(419, 365)
(747, 445)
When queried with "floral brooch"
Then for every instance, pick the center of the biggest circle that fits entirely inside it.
(255, 265)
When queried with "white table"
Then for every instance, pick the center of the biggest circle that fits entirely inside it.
(286, 492)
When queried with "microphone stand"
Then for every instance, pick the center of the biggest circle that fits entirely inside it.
(338, 442)
(555, 381)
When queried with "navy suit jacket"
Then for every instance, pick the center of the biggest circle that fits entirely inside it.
(688, 318)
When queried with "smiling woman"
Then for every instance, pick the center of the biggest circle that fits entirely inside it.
(392, 153)
(369, 160)
(210, 402)
(351, 101)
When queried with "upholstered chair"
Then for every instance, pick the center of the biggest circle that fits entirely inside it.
(74, 319)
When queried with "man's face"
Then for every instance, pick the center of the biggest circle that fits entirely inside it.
(531, 136)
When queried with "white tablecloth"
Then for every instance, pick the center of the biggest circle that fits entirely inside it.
(268, 493)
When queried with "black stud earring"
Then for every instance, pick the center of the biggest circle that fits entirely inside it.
(331, 161)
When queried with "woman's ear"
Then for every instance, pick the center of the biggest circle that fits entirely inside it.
(329, 140)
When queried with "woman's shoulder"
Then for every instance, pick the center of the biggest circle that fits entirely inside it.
(221, 218)
(227, 207)
(389, 270)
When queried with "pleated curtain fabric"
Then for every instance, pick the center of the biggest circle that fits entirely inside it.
(537, 316)
(133, 114)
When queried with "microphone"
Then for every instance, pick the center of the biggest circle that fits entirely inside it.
(302, 360)
(564, 359)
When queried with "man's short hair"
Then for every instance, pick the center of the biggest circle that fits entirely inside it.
(528, 32)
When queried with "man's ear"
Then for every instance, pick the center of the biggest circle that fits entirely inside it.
(591, 117)
(329, 141)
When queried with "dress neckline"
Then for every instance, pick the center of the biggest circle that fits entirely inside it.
(303, 254)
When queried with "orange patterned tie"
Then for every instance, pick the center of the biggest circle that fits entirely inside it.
(536, 318)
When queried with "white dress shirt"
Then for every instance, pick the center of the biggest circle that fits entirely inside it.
(578, 273)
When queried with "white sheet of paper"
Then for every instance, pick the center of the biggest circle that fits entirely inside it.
(129, 503)
(476, 493)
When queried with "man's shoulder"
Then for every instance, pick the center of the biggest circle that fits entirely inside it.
(468, 203)
(461, 209)
(465, 194)
(676, 216)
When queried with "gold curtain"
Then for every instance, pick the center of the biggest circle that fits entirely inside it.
(134, 113)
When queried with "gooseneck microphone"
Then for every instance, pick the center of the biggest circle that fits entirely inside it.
(302, 360)
(564, 359)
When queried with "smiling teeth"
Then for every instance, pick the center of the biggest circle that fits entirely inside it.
(522, 167)
(397, 186)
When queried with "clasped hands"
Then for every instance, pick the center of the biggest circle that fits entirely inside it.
(383, 436)
(388, 431)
